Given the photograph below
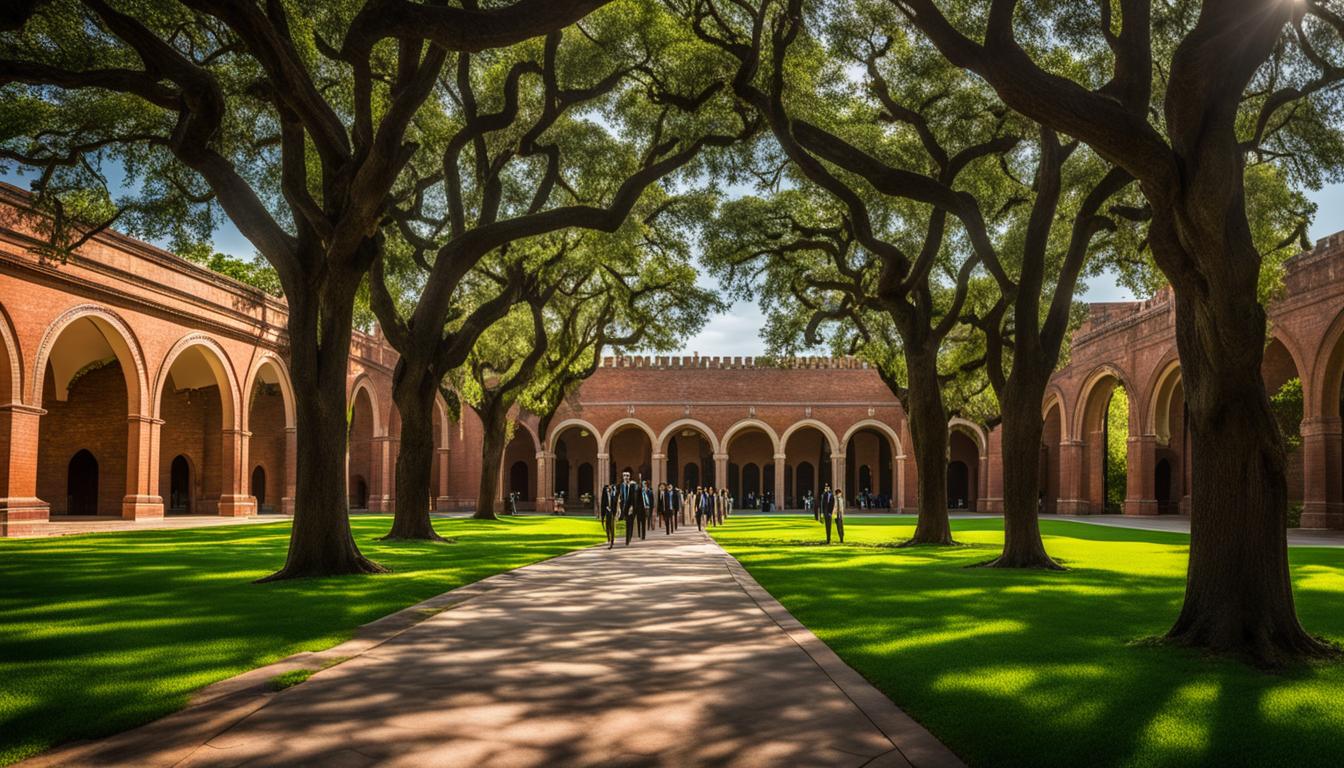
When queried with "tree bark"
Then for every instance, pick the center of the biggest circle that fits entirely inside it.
(928, 432)
(1238, 596)
(321, 542)
(492, 456)
(1020, 432)
(413, 390)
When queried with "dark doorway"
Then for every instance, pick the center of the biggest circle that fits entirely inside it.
(586, 479)
(1162, 486)
(361, 497)
(179, 486)
(805, 484)
(259, 486)
(958, 485)
(691, 476)
(518, 479)
(751, 480)
(81, 484)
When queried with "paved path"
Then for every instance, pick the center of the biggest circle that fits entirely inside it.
(666, 653)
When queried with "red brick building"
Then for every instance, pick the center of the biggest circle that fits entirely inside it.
(134, 384)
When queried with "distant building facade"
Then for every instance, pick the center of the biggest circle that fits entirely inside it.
(134, 384)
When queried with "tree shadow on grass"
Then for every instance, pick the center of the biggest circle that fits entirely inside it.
(102, 632)
(1039, 669)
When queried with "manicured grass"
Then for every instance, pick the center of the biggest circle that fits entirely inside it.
(103, 632)
(1043, 669)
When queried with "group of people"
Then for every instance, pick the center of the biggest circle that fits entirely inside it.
(635, 502)
(830, 508)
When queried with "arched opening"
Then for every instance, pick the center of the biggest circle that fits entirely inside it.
(179, 486)
(575, 458)
(193, 403)
(1049, 461)
(630, 449)
(520, 456)
(1283, 384)
(751, 446)
(1170, 427)
(267, 419)
(87, 381)
(808, 451)
(963, 450)
(360, 456)
(258, 486)
(958, 485)
(81, 484)
(1105, 433)
(690, 456)
(868, 463)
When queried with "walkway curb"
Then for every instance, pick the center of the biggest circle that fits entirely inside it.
(912, 741)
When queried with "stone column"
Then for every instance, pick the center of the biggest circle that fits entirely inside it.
(991, 500)
(1071, 501)
(1322, 459)
(19, 505)
(235, 497)
(779, 481)
(380, 485)
(720, 470)
(142, 500)
(291, 470)
(1140, 470)
(441, 503)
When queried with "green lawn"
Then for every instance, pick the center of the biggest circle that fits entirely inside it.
(102, 632)
(1041, 669)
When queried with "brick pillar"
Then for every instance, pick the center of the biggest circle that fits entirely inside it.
(991, 465)
(380, 484)
(603, 472)
(291, 469)
(441, 504)
(1322, 463)
(235, 498)
(838, 474)
(1071, 501)
(19, 505)
(658, 470)
(720, 470)
(898, 482)
(779, 481)
(1140, 468)
(545, 480)
(142, 500)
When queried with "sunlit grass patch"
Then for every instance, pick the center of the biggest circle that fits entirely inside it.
(1013, 668)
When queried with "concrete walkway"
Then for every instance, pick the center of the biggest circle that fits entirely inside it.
(666, 653)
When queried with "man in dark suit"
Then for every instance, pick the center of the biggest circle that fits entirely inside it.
(827, 509)
(609, 507)
(665, 504)
(645, 508)
(629, 493)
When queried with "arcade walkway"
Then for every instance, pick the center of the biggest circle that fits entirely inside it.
(666, 653)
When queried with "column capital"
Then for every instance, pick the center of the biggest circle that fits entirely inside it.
(136, 418)
(23, 408)
(659, 456)
(720, 457)
(781, 457)
(603, 456)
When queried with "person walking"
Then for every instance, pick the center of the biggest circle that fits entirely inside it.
(839, 518)
(666, 505)
(645, 508)
(826, 508)
(608, 509)
(722, 508)
(629, 492)
(702, 507)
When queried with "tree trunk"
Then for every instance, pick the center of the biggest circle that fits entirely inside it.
(1020, 432)
(928, 432)
(1238, 595)
(321, 543)
(492, 456)
(413, 390)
